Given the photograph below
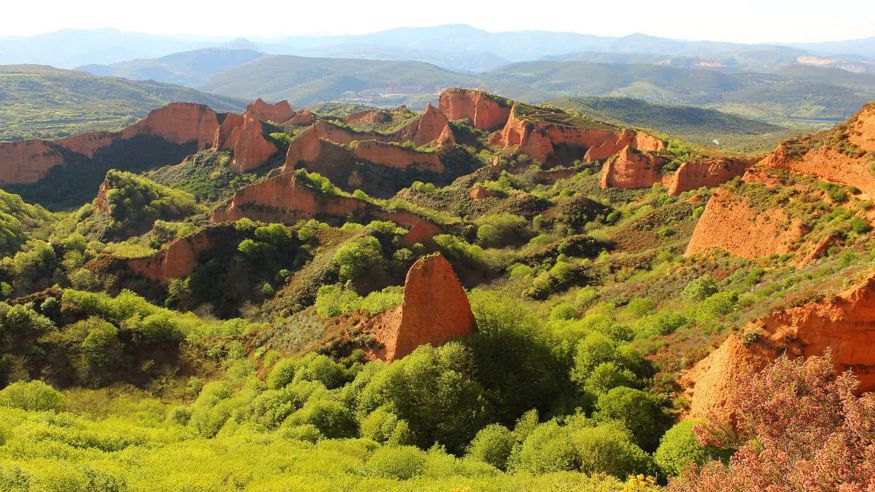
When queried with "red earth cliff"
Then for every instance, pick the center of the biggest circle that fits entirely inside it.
(707, 173)
(485, 112)
(179, 123)
(428, 127)
(278, 113)
(390, 155)
(176, 260)
(282, 199)
(631, 169)
(843, 325)
(435, 310)
(730, 223)
(252, 149)
(841, 155)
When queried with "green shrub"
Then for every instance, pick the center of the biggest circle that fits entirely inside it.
(331, 418)
(35, 396)
(608, 449)
(549, 448)
(383, 426)
(700, 288)
(101, 347)
(493, 445)
(679, 448)
(397, 463)
(637, 410)
(606, 376)
(282, 373)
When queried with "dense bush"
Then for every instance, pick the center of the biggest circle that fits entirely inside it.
(34, 396)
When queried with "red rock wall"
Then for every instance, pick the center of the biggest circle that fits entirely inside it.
(305, 117)
(228, 132)
(390, 155)
(178, 123)
(176, 260)
(631, 169)
(731, 224)
(282, 199)
(429, 127)
(278, 113)
(844, 325)
(27, 161)
(707, 172)
(484, 112)
(252, 149)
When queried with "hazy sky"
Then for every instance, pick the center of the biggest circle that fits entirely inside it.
(734, 20)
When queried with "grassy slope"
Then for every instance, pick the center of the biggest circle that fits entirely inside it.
(697, 125)
(44, 102)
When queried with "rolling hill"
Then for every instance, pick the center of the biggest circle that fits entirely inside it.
(311, 80)
(696, 125)
(187, 68)
(45, 102)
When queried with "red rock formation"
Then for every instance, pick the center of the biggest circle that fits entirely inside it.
(828, 162)
(485, 112)
(391, 155)
(228, 132)
(370, 117)
(282, 199)
(178, 123)
(631, 169)
(278, 113)
(87, 144)
(305, 117)
(844, 325)
(252, 149)
(480, 193)
(176, 260)
(421, 232)
(27, 161)
(428, 127)
(538, 139)
(435, 310)
(306, 147)
(707, 172)
(730, 223)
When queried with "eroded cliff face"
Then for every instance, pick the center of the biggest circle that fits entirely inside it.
(176, 260)
(631, 168)
(841, 155)
(283, 199)
(252, 149)
(178, 123)
(435, 310)
(27, 161)
(431, 126)
(484, 111)
(278, 112)
(539, 139)
(390, 155)
(731, 223)
(843, 325)
(305, 117)
(708, 172)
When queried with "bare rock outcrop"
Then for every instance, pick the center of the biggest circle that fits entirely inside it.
(843, 325)
(252, 149)
(278, 113)
(435, 310)
(283, 199)
(841, 155)
(707, 172)
(178, 259)
(631, 168)
(178, 123)
(305, 117)
(485, 111)
(729, 222)
(398, 157)
(428, 127)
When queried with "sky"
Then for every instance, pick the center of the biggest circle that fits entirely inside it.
(746, 21)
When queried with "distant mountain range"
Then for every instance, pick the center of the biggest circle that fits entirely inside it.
(456, 47)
